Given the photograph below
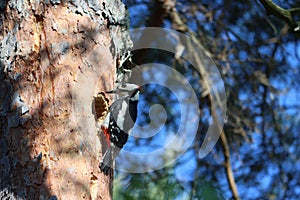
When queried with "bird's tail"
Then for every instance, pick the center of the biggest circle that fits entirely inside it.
(108, 159)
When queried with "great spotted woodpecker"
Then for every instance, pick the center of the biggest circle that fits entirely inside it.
(119, 122)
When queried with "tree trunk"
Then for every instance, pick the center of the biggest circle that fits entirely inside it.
(56, 55)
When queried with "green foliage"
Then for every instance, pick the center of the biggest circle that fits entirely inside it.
(205, 190)
(147, 186)
(156, 186)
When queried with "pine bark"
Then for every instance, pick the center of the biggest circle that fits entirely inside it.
(55, 57)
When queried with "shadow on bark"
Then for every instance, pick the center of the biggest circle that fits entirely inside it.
(22, 176)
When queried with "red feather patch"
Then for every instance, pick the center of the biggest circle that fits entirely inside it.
(106, 134)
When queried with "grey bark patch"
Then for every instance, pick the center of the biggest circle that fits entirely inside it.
(55, 2)
(8, 49)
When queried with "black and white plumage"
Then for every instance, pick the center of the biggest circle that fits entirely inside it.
(119, 122)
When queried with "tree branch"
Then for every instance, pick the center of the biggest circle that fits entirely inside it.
(179, 25)
(228, 168)
(283, 14)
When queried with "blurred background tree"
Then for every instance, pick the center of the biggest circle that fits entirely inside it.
(258, 56)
